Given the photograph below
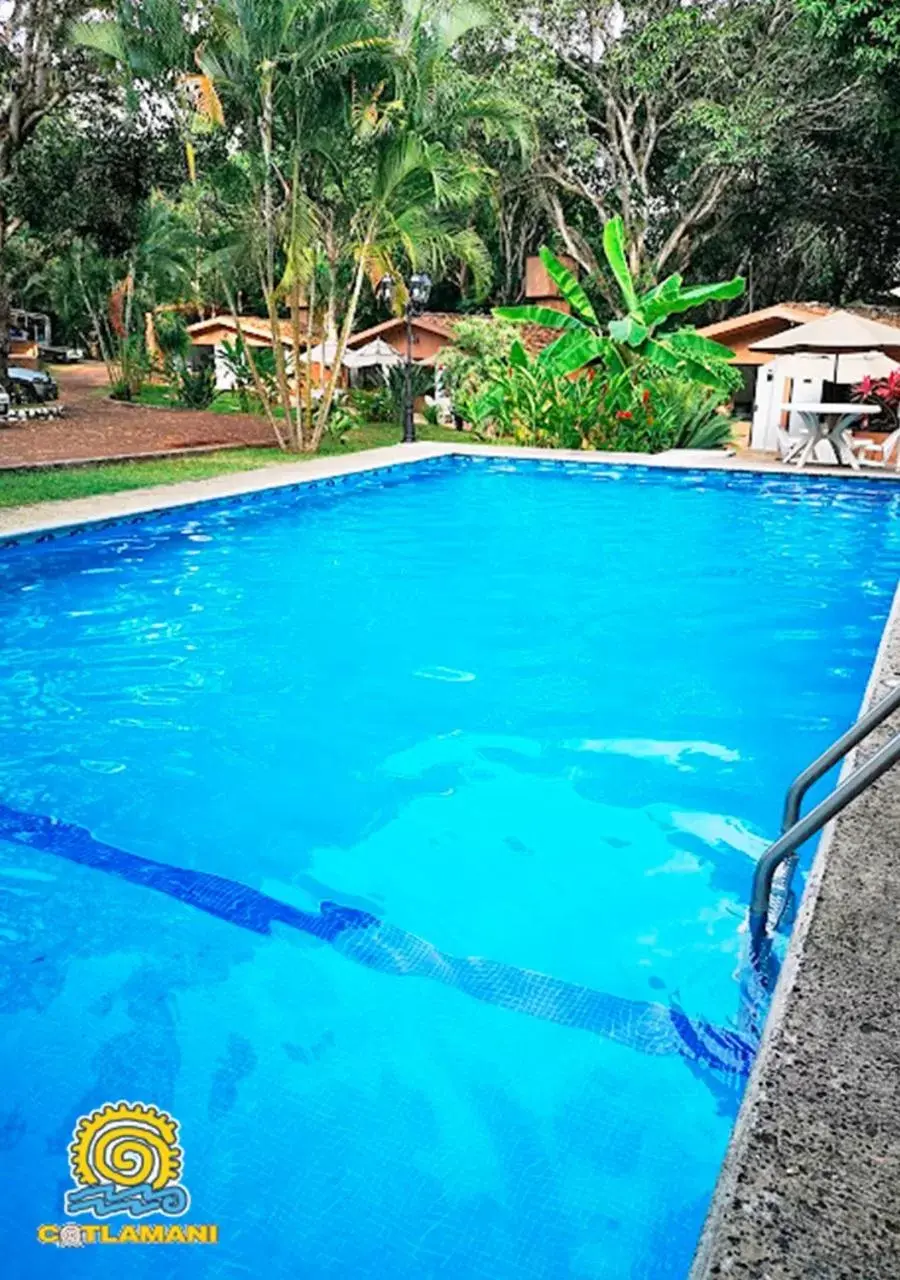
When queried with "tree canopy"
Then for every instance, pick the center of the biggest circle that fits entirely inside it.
(308, 147)
(868, 31)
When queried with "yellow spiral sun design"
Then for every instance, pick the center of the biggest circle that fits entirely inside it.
(126, 1144)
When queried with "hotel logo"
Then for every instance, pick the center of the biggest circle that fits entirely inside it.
(125, 1159)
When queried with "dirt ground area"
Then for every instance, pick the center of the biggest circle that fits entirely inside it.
(96, 427)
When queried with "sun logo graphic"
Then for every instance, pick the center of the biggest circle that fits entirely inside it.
(125, 1158)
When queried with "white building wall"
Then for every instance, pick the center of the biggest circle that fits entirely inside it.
(224, 376)
(225, 380)
(769, 394)
(772, 387)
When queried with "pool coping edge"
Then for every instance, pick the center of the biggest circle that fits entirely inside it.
(66, 514)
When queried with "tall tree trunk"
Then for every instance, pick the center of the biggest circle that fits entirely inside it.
(346, 330)
(266, 128)
(307, 428)
(284, 390)
(258, 386)
(4, 301)
(96, 320)
(36, 80)
(295, 360)
(329, 328)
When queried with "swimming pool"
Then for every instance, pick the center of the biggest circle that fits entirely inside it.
(395, 837)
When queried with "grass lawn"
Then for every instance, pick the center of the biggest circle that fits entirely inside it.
(22, 487)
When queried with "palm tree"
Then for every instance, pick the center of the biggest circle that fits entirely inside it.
(407, 218)
(423, 122)
(350, 140)
(154, 42)
(280, 69)
(434, 96)
(113, 297)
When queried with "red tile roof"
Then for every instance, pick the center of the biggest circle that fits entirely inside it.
(256, 326)
(438, 322)
(534, 336)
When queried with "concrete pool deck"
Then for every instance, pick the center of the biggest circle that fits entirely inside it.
(810, 1189)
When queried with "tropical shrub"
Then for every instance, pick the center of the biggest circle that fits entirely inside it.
(341, 422)
(267, 372)
(638, 335)
(634, 410)
(421, 381)
(884, 392)
(196, 387)
(529, 401)
(234, 359)
(480, 348)
(129, 367)
(172, 338)
(691, 416)
(531, 404)
(373, 405)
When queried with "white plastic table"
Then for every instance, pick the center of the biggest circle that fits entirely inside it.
(829, 422)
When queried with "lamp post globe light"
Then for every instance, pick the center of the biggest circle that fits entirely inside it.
(418, 291)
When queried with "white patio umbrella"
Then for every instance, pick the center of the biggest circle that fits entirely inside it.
(802, 364)
(376, 352)
(373, 354)
(842, 331)
(322, 354)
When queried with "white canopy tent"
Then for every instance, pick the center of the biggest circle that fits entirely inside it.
(376, 352)
(858, 365)
(322, 354)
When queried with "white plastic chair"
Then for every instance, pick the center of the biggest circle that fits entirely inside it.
(787, 445)
(890, 445)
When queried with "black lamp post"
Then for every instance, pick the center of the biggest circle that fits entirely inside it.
(418, 291)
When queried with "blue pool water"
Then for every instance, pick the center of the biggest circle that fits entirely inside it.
(395, 837)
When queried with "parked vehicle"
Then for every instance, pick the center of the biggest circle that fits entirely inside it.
(4, 404)
(61, 355)
(32, 326)
(31, 386)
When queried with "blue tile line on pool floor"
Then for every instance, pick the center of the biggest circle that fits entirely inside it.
(649, 1027)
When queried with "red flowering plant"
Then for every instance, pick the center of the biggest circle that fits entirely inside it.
(884, 392)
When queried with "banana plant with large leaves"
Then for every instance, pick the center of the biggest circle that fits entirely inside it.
(637, 335)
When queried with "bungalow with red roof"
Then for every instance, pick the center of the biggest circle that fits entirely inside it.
(209, 338)
(431, 332)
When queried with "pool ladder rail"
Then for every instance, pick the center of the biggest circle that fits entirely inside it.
(795, 830)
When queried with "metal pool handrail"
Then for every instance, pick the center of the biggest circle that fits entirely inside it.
(794, 829)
